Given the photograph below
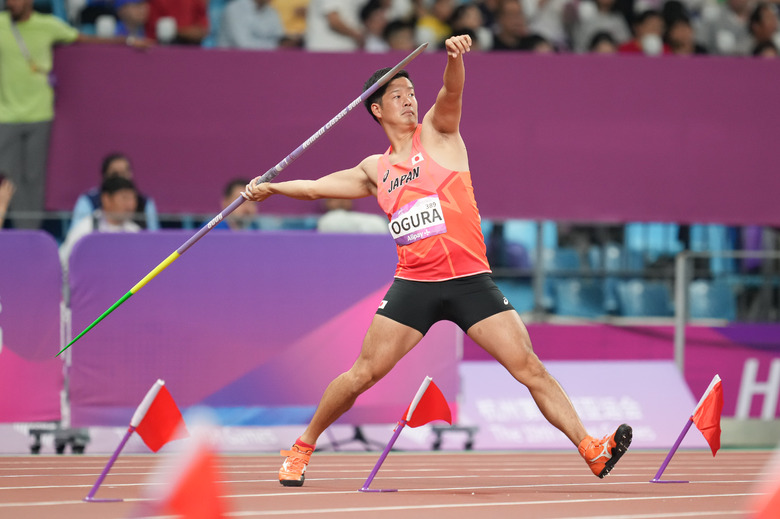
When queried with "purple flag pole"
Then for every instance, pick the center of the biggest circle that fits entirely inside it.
(266, 177)
(91, 496)
(657, 477)
(381, 460)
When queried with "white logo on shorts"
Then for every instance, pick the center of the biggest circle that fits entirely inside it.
(382, 305)
(506, 301)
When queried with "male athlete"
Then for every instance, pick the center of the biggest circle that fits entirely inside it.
(422, 183)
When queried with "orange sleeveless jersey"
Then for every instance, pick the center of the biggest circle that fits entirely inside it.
(433, 217)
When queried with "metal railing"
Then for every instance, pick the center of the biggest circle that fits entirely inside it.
(765, 284)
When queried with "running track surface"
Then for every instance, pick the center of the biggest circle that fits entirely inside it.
(431, 485)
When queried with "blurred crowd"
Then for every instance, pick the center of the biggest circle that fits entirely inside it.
(651, 27)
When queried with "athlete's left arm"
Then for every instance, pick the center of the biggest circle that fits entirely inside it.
(444, 116)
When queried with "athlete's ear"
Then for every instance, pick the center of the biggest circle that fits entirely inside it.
(376, 109)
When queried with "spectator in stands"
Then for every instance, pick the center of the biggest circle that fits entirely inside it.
(244, 217)
(118, 199)
(602, 43)
(468, 17)
(598, 16)
(510, 26)
(340, 218)
(763, 25)
(399, 35)
(192, 22)
(250, 24)
(7, 189)
(27, 39)
(292, 13)
(334, 26)
(537, 44)
(132, 16)
(374, 21)
(766, 50)
(433, 27)
(680, 39)
(116, 165)
(551, 19)
(725, 30)
(399, 10)
(489, 9)
(648, 29)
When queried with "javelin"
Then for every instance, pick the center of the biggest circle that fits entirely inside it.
(267, 177)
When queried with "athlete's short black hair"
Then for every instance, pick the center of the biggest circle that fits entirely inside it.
(376, 97)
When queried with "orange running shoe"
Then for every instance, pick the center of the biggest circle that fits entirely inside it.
(602, 455)
(293, 469)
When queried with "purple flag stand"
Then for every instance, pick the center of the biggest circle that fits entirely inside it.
(91, 496)
(396, 433)
(657, 477)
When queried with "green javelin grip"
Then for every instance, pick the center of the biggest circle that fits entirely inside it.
(267, 177)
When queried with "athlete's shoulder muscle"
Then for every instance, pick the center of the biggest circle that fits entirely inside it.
(370, 166)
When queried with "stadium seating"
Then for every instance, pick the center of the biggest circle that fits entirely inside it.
(641, 298)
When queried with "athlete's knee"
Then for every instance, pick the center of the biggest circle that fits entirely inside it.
(363, 376)
(530, 370)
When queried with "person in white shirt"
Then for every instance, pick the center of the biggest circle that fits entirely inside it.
(340, 218)
(250, 24)
(118, 198)
(334, 26)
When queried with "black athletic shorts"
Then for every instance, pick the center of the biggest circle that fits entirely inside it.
(464, 301)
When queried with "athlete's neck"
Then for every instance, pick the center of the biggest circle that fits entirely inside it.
(401, 142)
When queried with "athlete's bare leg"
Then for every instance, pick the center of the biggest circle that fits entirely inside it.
(505, 337)
(386, 342)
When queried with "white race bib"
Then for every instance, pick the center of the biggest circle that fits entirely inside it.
(418, 220)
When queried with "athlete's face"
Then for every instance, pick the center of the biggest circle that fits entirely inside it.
(399, 103)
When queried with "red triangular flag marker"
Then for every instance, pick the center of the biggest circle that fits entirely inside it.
(766, 501)
(157, 420)
(196, 492)
(431, 405)
(706, 416)
(427, 405)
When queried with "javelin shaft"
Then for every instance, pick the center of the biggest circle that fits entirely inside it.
(266, 177)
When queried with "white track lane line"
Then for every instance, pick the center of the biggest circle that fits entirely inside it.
(295, 493)
(523, 504)
(365, 509)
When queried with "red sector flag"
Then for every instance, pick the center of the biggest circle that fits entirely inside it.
(706, 416)
(195, 493)
(766, 502)
(157, 420)
(428, 405)
(770, 506)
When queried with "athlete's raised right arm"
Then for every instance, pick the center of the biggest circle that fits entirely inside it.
(357, 182)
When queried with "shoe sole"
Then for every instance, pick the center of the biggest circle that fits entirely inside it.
(623, 437)
(292, 482)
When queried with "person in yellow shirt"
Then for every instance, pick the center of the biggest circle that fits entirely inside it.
(293, 16)
(27, 39)
(434, 26)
